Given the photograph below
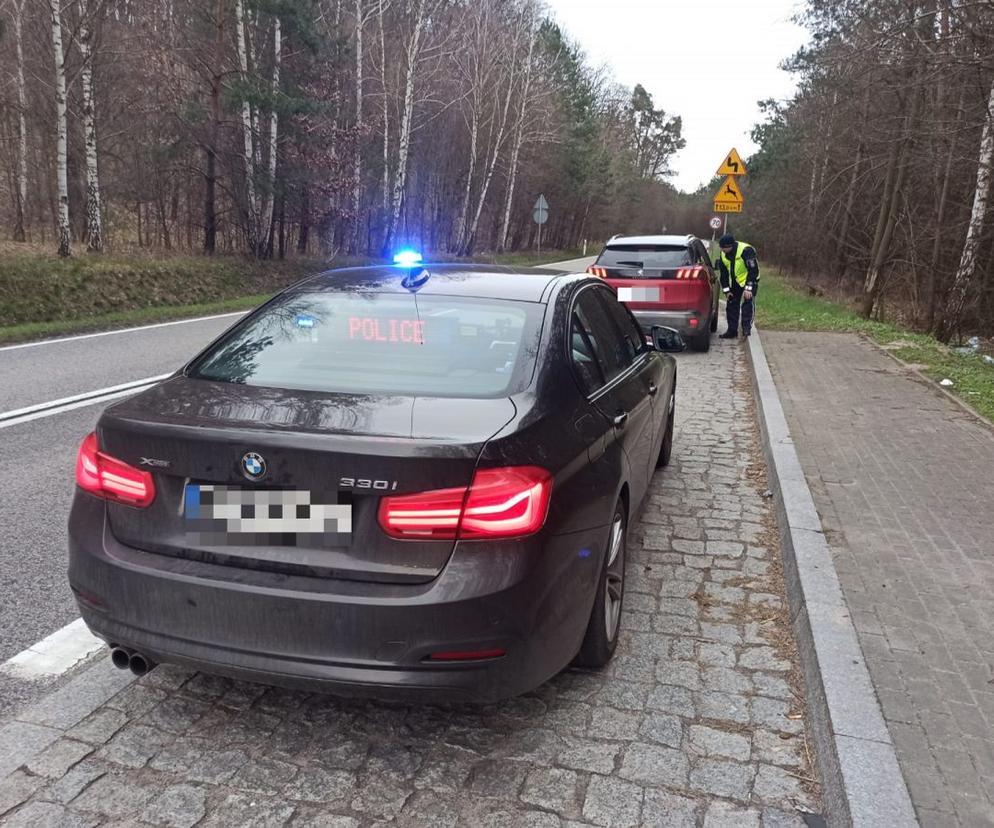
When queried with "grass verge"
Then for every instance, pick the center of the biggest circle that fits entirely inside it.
(43, 296)
(126, 319)
(782, 306)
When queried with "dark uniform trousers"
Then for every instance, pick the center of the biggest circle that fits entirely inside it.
(733, 300)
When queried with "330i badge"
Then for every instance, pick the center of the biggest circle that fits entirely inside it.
(439, 507)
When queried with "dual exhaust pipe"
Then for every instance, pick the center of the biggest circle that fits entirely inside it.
(125, 659)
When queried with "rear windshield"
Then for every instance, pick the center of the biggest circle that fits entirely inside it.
(645, 255)
(376, 343)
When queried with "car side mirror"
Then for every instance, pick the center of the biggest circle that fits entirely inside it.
(667, 339)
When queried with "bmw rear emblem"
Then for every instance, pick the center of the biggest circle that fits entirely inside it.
(253, 466)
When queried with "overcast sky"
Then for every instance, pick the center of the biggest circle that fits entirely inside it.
(708, 61)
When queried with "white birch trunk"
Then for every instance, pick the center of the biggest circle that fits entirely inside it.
(480, 65)
(64, 232)
(459, 232)
(404, 141)
(498, 143)
(267, 210)
(251, 28)
(519, 133)
(94, 224)
(336, 87)
(251, 198)
(968, 259)
(357, 160)
(20, 233)
(386, 118)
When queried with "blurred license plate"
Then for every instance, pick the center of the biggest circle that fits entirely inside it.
(263, 512)
(638, 294)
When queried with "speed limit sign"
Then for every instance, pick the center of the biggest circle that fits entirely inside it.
(715, 222)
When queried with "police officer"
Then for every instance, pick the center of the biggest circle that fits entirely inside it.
(738, 269)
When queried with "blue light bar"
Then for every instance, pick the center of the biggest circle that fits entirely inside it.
(407, 258)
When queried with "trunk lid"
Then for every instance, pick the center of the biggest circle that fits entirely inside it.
(344, 449)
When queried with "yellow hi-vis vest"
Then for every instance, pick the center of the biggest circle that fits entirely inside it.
(741, 272)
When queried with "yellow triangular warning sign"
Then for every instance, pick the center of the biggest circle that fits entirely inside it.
(732, 165)
(729, 192)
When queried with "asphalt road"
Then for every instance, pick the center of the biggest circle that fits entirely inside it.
(37, 459)
(40, 372)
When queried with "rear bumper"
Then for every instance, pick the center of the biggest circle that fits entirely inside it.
(531, 598)
(687, 323)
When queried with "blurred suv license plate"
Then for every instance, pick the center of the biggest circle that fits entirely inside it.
(638, 294)
(269, 515)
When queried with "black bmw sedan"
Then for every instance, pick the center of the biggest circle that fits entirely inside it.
(388, 480)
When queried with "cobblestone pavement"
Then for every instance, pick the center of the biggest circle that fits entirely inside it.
(903, 482)
(694, 723)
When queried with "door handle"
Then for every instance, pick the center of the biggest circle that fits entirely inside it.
(621, 419)
(652, 389)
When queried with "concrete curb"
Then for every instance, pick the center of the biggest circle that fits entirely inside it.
(862, 780)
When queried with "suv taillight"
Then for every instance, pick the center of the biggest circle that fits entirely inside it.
(107, 477)
(595, 270)
(690, 273)
(501, 503)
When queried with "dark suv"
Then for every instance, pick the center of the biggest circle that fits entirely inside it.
(664, 280)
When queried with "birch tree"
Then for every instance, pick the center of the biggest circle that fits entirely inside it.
(61, 131)
(248, 136)
(21, 193)
(517, 141)
(215, 76)
(94, 223)
(385, 109)
(477, 64)
(267, 209)
(963, 280)
(418, 13)
(362, 17)
(506, 76)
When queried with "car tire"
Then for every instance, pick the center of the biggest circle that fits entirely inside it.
(666, 449)
(714, 320)
(701, 342)
(604, 627)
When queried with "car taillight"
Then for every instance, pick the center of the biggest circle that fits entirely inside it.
(595, 270)
(108, 477)
(428, 515)
(501, 503)
(689, 273)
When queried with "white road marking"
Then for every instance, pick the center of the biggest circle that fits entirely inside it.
(52, 407)
(54, 655)
(120, 331)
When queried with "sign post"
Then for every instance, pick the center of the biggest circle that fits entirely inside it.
(729, 199)
(715, 225)
(540, 213)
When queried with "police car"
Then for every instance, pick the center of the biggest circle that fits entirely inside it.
(385, 480)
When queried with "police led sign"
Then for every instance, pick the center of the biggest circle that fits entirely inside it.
(370, 329)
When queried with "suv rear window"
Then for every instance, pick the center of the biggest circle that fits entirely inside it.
(379, 343)
(649, 256)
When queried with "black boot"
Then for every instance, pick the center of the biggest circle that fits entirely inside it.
(729, 334)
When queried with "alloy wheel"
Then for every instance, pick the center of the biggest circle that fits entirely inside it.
(614, 584)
